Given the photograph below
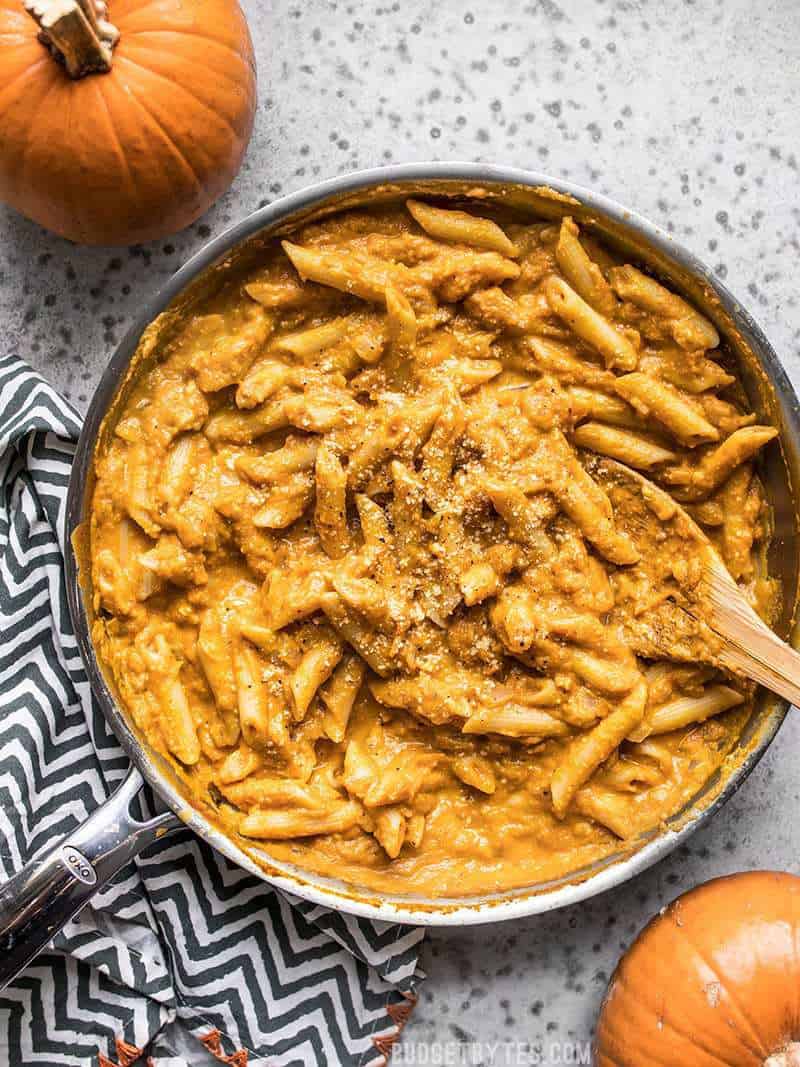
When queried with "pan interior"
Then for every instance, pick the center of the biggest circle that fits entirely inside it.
(769, 394)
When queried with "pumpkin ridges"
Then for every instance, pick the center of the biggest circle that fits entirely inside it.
(723, 962)
(26, 71)
(179, 85)
(28, 144)
(200, 163)
(205, 26)
(164, 134)
(14, 39)
(645, 996)
(142, 133)
(218, 65)
(752, 935)
(607, 1033)
(761, 1051)
(131, 34)
(125, 168)
(636, 1001)
(789, 888)
(13, 12)
(672, 925)
(72, 192)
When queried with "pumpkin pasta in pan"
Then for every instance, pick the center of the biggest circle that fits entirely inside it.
(356, 575)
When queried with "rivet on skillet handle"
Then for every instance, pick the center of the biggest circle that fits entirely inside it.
(38, 901)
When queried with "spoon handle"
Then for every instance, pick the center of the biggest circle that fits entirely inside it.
(766, 660)
(751, 648)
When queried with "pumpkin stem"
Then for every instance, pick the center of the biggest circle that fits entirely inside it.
(77, 32)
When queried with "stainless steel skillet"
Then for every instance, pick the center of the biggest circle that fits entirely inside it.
(42, 897)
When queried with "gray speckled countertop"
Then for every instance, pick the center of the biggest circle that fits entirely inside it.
(685, 111)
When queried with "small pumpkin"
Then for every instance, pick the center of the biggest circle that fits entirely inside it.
(713, 981)
(115, 133)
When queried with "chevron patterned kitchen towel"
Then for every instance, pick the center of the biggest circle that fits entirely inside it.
(185, 959)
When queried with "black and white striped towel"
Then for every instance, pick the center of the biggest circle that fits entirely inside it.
(184, 947)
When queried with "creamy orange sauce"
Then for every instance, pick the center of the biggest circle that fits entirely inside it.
(354, 574)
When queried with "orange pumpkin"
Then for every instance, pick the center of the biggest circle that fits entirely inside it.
(114, 134)
(713, 981)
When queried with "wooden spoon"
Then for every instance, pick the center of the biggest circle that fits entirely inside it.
(747, 645)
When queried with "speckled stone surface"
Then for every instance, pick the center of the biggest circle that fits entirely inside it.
(685, 111)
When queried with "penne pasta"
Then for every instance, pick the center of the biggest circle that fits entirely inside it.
(215, 655)
(741, 507)
(261, 699)
(360, 769)
(479, 582)
(722, 461)
(374, 648)
(366, 277)
(139, 496)
(524, 515)
(314, 668)
(242, 427)
(401, 778)
(665, 403)
(606, 807)
(163, 674)
(587, 752)
(406, 512)
(290, 597)
(369, 599)
(390, 831)
(339, 694)
(459, 227)
(224, 359)
(476, 772)
(305, 343)
(600, 407)
(582, 273)
(263, 380)
(554, 357)
(686, 710)
(297, 454)
(238, 765)
(286, 502)
(330, 513)
(438, 452)
(689, 328)
(588, 506)
(515, 721)
(401, 324)
(627, 447)
(281, 825)
(693, 372)
(613, 345)
(177, 473)
(283, 295)
(527, 314)
(113, 589)
(374, 525)
(262, 791)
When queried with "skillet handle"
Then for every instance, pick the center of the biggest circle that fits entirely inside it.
(41, 898)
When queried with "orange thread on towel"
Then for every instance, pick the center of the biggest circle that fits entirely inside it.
(126, 1055)
(212, 1042)
(399, 1014)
